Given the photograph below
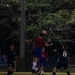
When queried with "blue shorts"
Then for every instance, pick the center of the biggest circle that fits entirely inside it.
(42, 63)
(37, 52)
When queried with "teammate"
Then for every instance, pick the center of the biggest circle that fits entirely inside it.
(63, 60)
(10, 57)
(42, 61)
(39, 43)
(53, 55)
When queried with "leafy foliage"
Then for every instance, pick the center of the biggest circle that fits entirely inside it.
(56, 17)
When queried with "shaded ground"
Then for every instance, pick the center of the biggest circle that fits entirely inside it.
(29, 73)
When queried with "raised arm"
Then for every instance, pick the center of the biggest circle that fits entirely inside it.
(30, 40)
(48, 44)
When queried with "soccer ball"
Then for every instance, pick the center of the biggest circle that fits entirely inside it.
(44, 32)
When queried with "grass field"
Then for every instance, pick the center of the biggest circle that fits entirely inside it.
(29, 73)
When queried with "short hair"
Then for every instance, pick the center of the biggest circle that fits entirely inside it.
(65, 46)
(41, 34)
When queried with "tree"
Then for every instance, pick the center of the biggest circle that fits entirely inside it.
(57, 17)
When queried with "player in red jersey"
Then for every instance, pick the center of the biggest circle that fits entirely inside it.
(39, 43)
(42, 61)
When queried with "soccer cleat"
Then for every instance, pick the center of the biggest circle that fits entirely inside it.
(33, 71)
(68, 73)
(53, 73)
(38, 73)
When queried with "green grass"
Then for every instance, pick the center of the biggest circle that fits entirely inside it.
(29, 73)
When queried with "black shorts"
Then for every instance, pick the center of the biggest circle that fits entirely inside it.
(62, 64)
(12, 64)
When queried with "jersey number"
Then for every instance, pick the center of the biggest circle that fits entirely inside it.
(64, 54)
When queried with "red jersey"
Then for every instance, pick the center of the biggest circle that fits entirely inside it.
(44, 56)
(39, 42)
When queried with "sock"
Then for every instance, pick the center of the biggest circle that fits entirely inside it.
(36, 69)
(34, 65)
(42, 72)
(68, 73)
(39, 71)
(9, 73)
(53, 73)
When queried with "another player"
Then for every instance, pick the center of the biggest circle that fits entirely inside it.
(10, 57)
(63, 60)
(42, 61)
(39, 43)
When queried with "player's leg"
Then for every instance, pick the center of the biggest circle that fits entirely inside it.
(54, 71)
(13, 68)
(66, 68)
(10, 68)
(9, 72)
(58, 60)
(68, 72)
(34, 64)
(41, 71)
(58, 66)
(42, 64)
(42, 67)
(37, 67)
(37, 54)
(55, 59)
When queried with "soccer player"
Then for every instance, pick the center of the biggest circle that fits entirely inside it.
(39, 43)
(10, 57)
(42, 61)
(63, 60)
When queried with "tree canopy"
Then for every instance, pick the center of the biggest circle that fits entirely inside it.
(57, 17)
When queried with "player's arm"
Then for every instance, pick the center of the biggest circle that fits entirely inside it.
(68, 58)
(28, 40)
(5, 57)
(48, 44)
(68, 55)
(54, 50)
(16, 58)
(47, 56)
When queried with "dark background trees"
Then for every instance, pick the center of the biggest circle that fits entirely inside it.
(57, 17)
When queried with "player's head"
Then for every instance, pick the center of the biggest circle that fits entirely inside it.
(11, 47)
(43, 33)
(65, 46)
